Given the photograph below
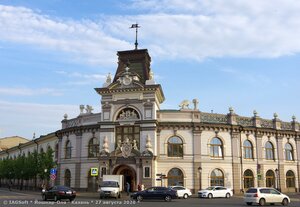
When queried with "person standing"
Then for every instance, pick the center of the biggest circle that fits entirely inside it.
(127, 188)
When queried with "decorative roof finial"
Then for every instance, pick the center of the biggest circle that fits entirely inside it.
(275, 115)
(136, 26)
(294, 118)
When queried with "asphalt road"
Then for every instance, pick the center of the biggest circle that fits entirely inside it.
(11, 198)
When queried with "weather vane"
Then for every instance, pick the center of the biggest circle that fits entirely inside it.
(136, 26)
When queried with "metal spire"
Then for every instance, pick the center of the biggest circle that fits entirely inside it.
(136, 26)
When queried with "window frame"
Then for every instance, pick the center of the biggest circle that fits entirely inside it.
(269, 151)
(248, 150)
(216, 149)
(175, 149)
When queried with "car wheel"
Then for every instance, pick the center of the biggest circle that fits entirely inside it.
(119, 196)
(227, 195)
(55, 198)
(262, 202)
(185, 196)
(71, 199)
(249, 203)
(139, 198)
(44, 197)
(210, 196)
(168, 198)
(101, 197)
(285, 202)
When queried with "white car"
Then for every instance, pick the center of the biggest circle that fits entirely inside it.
(182, 192)
(265, 195)
(215, 192)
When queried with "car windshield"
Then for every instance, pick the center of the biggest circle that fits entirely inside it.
(210, 188)
(109, 184)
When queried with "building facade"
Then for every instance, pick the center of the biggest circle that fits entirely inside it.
(133, 137)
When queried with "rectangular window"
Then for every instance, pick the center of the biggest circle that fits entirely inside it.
(147, 173)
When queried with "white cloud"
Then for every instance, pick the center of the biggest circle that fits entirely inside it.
(30, 91)
(187, 29)
(83, 39)
(81, 78)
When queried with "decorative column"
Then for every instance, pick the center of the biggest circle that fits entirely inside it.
(236, 165)
(298, 159)
(78, 149)
(197, 158)
(59, 157)
(259, 155)
(280, 157)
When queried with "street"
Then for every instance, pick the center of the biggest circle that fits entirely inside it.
(17, 198)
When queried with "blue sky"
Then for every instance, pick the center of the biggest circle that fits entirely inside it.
(226, 53)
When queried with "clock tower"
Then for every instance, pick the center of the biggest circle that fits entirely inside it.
(128, 134)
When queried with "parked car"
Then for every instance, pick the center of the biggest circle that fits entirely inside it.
(59, 192)
(182, 192)
(265, 195)
(215, 192)
(155, 193)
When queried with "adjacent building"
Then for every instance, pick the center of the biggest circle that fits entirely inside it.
(134, 137)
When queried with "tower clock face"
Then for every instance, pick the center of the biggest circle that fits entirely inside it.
(127, 80)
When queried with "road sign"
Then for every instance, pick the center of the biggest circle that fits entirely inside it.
(53, 171)
(53, 176)
(94, 171)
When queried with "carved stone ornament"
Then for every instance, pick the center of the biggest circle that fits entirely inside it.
(105, 148)
(126, 148)
(128, 114)
(149, 150)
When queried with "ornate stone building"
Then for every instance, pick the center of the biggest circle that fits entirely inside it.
(132, 136)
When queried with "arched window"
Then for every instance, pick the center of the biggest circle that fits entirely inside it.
(290, 179)
(288, 151)
(269, 151)
(248, 150)
(68, 178)
(270, 179)
(93, 147)
(248, 179)
(216, 148)
(68, 150)
(41, 150)
(175, 147)
(175, 177)
(216, 178)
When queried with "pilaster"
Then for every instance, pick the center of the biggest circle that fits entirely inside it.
(236, 165)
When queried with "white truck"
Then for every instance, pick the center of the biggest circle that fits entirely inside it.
(111, 186)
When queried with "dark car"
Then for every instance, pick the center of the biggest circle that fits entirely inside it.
(59, 192)
(155, 193)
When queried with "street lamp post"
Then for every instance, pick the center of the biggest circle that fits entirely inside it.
(200, 177)
(277, 186)
(45, 177)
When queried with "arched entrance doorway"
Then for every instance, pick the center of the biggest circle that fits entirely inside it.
(270, 179)
(248, 179)
(129, 175)
(92, 182)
